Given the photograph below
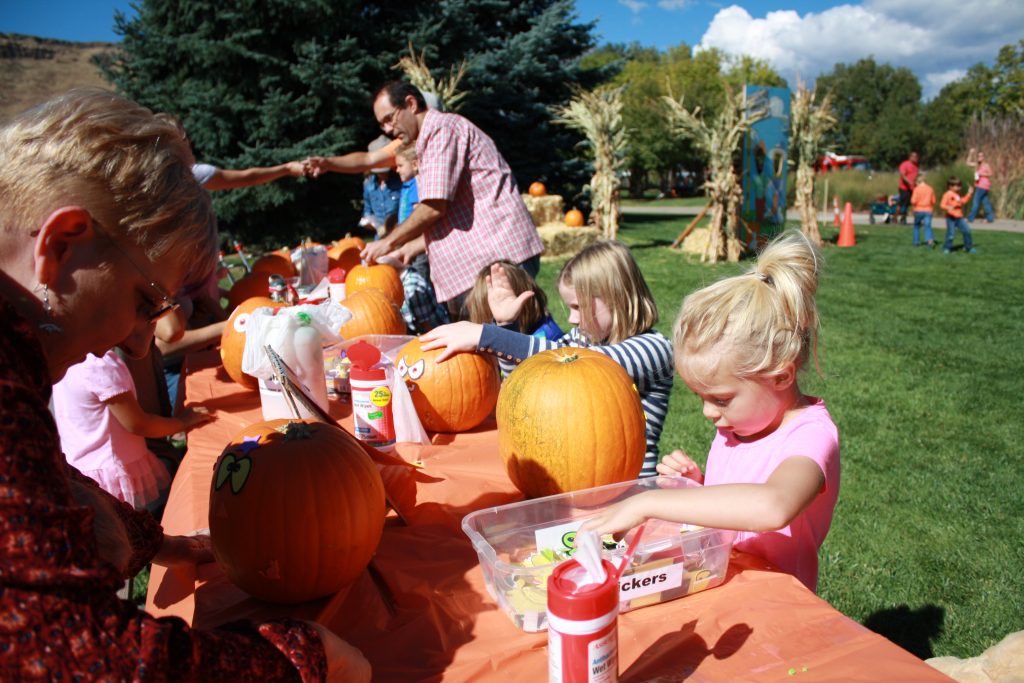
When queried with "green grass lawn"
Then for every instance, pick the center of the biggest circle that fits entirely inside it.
(923, 371)
(670, 201)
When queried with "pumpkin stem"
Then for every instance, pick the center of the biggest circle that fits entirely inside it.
(572, 357)
(296, 431)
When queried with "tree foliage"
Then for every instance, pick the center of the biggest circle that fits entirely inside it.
(259, 82)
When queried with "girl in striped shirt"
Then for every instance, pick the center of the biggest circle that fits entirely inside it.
(612, 311)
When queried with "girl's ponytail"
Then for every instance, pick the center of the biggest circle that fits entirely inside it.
(767, 317)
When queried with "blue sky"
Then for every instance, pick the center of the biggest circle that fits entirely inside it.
(937, 39)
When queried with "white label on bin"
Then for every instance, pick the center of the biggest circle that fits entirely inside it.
(557, 537)
(650, 581)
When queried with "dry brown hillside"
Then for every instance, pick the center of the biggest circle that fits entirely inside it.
(33, 69)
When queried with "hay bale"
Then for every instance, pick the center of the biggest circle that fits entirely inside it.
(1001, 663)
(697, 241)
(561, 240)
(546, 209)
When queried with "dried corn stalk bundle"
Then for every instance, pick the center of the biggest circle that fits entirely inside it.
(719, 140)
(808, 124)
(416, 70)
(598, 115)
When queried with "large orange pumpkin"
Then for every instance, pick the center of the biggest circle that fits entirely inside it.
(246, 287)
(574, 218)
(372, 313)
(232, 339)
(296, 510)
(537, 189)
(453, 396)
(344, 256)
(570, 419)
(380, 276)
(274, 263)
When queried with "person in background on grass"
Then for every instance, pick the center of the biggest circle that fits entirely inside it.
(382, 190)
(982, 185)
(420, 308)
(87, 263)
(470, 212)
(613, 313)
(953, 204)
(533, 318)
(103, 430)
(773, 468)
(923, 202)
(908, 177)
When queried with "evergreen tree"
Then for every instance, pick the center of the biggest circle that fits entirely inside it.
(260, 82)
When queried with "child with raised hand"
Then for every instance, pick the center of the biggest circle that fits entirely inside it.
(613, 313)
(533, 317)
(773, 468)
(103, 429)
(953, 204)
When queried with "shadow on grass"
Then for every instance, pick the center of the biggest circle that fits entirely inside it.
(913, 630)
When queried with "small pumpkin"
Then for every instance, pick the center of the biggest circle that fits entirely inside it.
(574, 218)
(570, 419)
(453, 396)
(232, 339)
(274, 263)
(537, 189)
(345, 254)
(296, 510)
(246, 287)
(379, 276)
(372, 313)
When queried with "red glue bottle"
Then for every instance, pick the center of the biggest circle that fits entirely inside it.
(583, 635)
(371, 397)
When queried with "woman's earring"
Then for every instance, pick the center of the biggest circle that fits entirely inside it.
(49, 326)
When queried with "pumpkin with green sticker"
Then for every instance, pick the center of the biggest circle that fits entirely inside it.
(570, 419)
(296, 510)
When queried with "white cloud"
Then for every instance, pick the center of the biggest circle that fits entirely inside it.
(634, 6)
(934, 38)
(673, 5)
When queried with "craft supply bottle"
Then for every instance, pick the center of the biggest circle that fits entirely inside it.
(583, 635)
(303, 352)
(372, 413)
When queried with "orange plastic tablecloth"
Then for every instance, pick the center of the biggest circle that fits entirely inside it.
(422, 612)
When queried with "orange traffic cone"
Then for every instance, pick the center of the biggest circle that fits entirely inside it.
(846, 236)
(835, 206)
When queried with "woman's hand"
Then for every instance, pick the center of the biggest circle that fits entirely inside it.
(345, 664)
(678, 463)
(505, 304)
(185, 550)
(455, 338)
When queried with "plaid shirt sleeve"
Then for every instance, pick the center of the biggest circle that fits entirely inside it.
(420, 309)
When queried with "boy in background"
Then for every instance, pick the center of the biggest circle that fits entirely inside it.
(923, 203)
(953, 204)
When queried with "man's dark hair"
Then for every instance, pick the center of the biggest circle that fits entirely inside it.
(397, 91)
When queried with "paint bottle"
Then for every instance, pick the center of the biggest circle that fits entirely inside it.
(583, 635)
(371, 397)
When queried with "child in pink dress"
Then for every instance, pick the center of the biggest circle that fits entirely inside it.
(773, 468)
(103, 429)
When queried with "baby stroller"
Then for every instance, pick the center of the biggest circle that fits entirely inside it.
(884, 206)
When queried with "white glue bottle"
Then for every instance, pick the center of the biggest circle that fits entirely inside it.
(372, 398)
(583, 635)
(304, 354)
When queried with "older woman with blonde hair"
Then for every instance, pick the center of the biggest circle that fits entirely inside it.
(101, 222)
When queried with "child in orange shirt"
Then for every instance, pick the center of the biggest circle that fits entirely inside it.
(923, 201)
(953, 204)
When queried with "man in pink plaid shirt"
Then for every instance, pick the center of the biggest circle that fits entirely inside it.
(470, 212)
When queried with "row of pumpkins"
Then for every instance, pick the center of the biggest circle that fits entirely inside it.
(556, 433)
(573, 217)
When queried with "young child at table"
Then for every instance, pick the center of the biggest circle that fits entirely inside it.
(953, 204)
(533, 317)
(103, 430)
(420, 308)
(773, 468)
(613, 313)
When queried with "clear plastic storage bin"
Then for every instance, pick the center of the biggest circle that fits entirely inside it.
(520, 544)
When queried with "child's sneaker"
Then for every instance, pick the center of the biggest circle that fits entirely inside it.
(972, 250)
(947, 252)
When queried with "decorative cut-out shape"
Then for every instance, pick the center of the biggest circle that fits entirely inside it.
(234, 469)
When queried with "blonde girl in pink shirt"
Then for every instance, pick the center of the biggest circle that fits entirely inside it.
(773, 468)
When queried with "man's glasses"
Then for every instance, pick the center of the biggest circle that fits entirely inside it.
(390, 118)
(164, 302)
